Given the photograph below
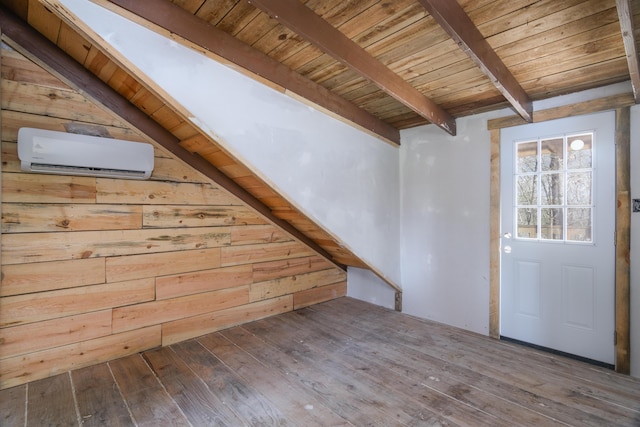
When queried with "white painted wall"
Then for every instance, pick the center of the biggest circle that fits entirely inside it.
(344, 179)
(445, 223)
(366, 286)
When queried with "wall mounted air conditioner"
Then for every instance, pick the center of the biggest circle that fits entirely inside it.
(44, 151)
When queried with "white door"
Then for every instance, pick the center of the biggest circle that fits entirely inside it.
(557, 224)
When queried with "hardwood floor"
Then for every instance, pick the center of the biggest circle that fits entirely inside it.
(344, 362)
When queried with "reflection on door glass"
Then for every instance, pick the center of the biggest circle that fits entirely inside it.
(554, 188)
(552, 154)
(527, 157)
(580, 151)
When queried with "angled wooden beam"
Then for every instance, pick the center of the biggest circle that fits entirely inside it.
(303, 21)
(178, 21)
(628, 38)
(46, 54)
(454, 20)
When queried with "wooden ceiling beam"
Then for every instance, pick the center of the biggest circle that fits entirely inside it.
(306, 23)
(628, 38)
(454, 20)
(178, 21)
(39, 49)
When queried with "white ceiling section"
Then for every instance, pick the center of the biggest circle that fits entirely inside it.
(344, 179)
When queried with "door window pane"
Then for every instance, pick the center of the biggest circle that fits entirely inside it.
(552, 189)
(551, 223)
(579, 224)
(527, 190)
(527, 223)
(580, 151)
(527, 160)
(552, 154)
(579, 188)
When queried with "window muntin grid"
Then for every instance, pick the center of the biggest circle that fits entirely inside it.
(554, 184)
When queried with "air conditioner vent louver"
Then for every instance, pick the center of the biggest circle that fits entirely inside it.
(61, 153)
(83, 170)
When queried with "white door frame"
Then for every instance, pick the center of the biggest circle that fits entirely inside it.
(621, 104)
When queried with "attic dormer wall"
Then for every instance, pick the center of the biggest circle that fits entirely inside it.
(95, 269)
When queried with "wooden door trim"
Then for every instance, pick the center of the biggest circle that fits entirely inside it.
(621, 104)
(494, 237)
(623, 240)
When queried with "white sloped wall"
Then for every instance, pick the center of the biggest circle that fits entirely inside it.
(344, 179)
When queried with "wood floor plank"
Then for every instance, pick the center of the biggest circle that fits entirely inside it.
(595, 383)
(200, 406)
(340, 363)
(286, 393)
(542, 360)
(98, 398)
(342, 393)
(405, 408)
(453, 401)
(250, 405)
(557, 399)
(13, 402)
(149, 403)
(50, 402)
(441, 364)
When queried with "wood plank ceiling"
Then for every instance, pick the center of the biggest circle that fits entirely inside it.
(550, 47)
(380, 65)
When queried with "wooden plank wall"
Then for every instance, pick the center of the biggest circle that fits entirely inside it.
(94, 269)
